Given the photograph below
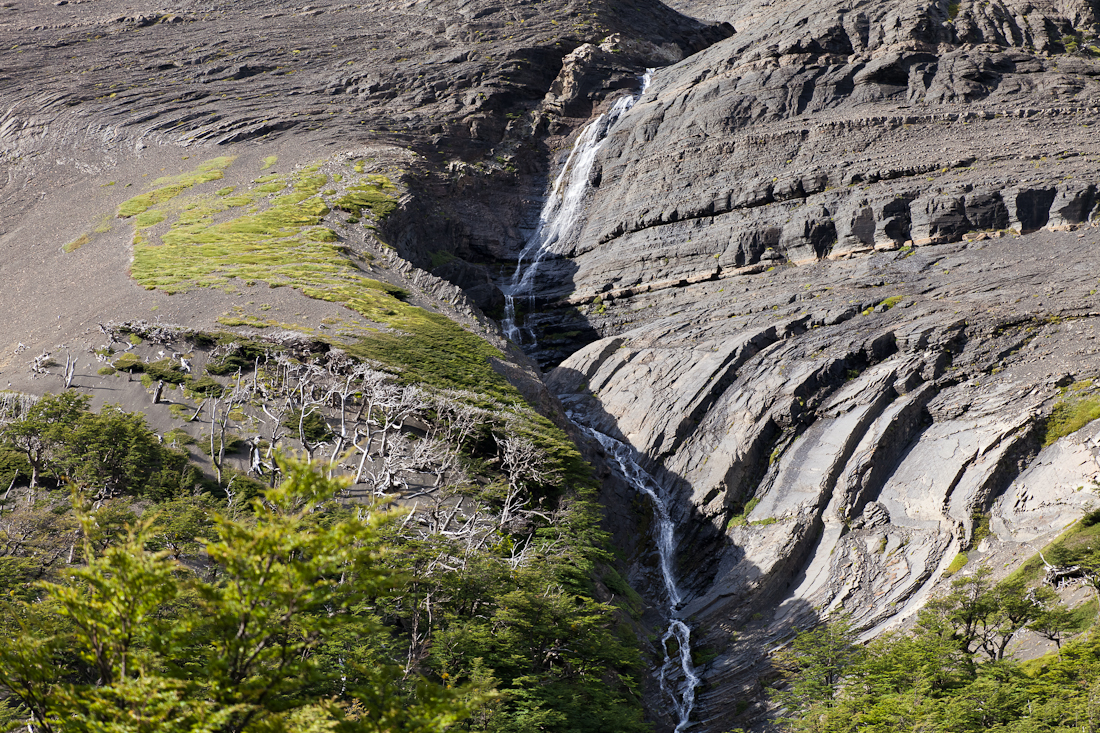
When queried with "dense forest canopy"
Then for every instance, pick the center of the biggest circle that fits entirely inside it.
(144, 593)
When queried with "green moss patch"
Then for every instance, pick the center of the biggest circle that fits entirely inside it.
(1077, 408)
(741, 518)
(957, 564)
(378, 195)
(172, 186)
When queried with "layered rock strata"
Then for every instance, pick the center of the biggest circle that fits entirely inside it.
(825, 131)
(834, 430)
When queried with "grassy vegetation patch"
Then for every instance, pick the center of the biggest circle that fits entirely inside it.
(269, 161)
(1083, 617)
(242, 320)
(172, 186)
(741, 519)
(149, 218)
(378, 195)
(957, 564)
(1073, 545)
(1077, 408)
(76, 243)
(273, 187)
(436, 351)
(441, 257)
(283, 242)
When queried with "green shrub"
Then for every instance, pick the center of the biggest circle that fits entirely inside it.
(1090, 519)
(313, 425)
(178, 437)
(233, 444)
(129, 362)
(205, 386)
(166, 370)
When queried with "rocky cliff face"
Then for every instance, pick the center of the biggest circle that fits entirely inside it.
(841, 267)
(827, 131)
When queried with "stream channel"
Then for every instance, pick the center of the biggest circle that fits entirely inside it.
(560, 214)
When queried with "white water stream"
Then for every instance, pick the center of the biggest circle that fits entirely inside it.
(561, 211)
(677, 676)
(559, 215)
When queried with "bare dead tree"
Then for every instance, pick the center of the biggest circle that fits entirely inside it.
(70, 370)
(4, 501)
(228, 401)
(524, 464)
(379, 440)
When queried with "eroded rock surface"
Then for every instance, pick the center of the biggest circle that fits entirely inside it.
(824, 131)
(833, 430)
(839, 268)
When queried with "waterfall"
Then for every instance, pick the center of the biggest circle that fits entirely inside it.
(562, 209)
(677, 676)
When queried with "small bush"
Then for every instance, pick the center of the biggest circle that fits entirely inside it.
(1091, 518)
(129, 362)
(313, 425)
(233, 444)
(205, 386)
(178, 437)
(166, 370)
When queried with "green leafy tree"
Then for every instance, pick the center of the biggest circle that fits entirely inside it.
(967, 608)
(1053, 619)
(39, 432)
(133, 642)
(1012, 609)
(814, 665)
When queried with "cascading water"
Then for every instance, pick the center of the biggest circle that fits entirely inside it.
(560, 212)
(677, 676)
(557, 219)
